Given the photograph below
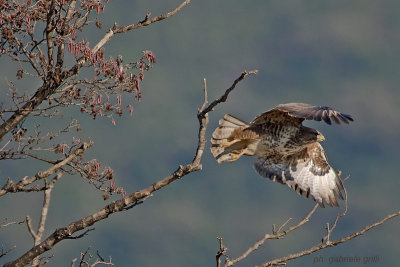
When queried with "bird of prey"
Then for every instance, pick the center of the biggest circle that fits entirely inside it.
(287, 152)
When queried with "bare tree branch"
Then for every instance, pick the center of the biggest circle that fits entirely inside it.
(86, 259)
(45, 210)
(30, 228)
(329, 229)
(278, 234)
(146, 22)
(34, 65)
(225, 96)
(275, 235)
(283, 260)
(5, 224)
(11, 187)
(120, 205)
(40, 95)
(221, 252)
(81, 235)
(65, 30)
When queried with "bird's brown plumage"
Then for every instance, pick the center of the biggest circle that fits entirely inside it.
(287, 151)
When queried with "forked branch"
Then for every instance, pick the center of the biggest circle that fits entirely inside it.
(146, 22)
(275, 235)
(11, 187)
(283, 260)
(278, 234)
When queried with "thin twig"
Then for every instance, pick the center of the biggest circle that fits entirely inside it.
(11, 187)
(37, 237)
(205, 102)
(146, 22)
(98, 255)
(134, 205)
(28, 56)
(81, 235)
(86, 259)
(221, 252)
(277, 235)
(5, 224)
(225, 95)
(45, 207)
(340, 215)
(30, 228)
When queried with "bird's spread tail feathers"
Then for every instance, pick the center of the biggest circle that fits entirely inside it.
(224, 146)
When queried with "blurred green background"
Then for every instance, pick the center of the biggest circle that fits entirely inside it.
(344, 54)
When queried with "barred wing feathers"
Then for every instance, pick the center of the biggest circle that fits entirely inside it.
(307, 172)
(301, 111)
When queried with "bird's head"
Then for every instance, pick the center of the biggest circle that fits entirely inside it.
(309, 135)
(320, 137)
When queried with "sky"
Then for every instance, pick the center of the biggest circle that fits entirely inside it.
(335, 53)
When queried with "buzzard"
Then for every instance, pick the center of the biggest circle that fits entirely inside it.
(287, 151)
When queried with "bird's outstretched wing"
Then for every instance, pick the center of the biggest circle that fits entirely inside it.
(307, 172)
(291, 111)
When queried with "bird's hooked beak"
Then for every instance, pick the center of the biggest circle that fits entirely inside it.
(320, 137)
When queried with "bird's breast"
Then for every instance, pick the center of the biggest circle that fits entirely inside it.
(277, 140)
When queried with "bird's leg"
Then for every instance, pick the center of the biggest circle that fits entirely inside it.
(235, 156)
(227, 144)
